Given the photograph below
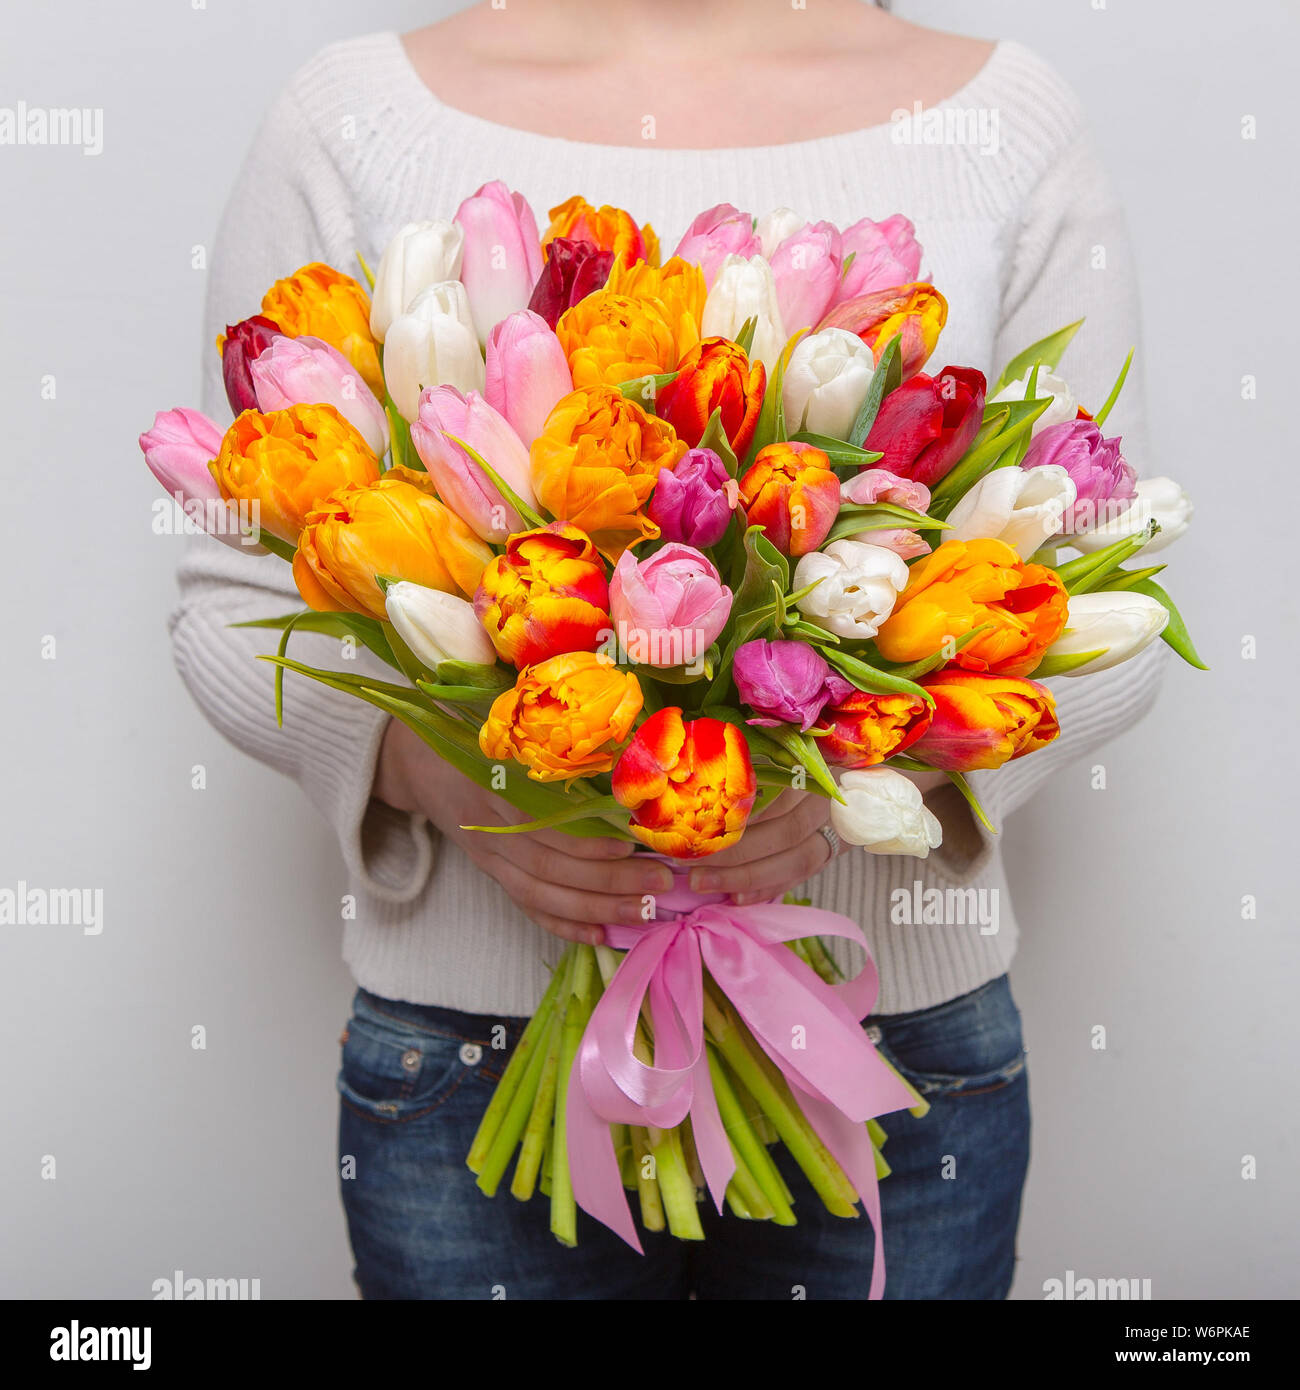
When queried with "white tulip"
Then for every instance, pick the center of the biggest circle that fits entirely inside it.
(420, 255)
(1117, 623)
(773, 229)
(745, 289)
(437, 626)
(859, 586)
(883, 811)
(1158, 498)
(1063, 407)
(1022, 506)
(432, 344)
(826, 381)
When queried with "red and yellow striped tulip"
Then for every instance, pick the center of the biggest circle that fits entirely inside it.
(715, 375)
(546, 595)
(983, 721)
(792, 491)
(917, 311)
(864, 729)
(690, 786)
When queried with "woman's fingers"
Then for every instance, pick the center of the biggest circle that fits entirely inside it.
(605, 876)
(766, 878)
(569, 931)
(536, 895)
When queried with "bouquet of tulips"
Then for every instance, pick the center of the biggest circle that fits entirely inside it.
(645, 543)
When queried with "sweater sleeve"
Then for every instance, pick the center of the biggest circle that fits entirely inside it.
(1072, 260)
(289, 206)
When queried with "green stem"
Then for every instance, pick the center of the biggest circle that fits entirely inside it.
(564, 1209)
(647, 1185)
(676, 1185)
(514, 1072)
(539, 1120)
(769, 1088)
(747, 1147)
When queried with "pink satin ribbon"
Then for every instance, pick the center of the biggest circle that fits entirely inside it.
(811, 1031)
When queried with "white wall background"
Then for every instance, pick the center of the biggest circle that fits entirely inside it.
(221, 905)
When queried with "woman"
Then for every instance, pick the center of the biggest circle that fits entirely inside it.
(662, 108)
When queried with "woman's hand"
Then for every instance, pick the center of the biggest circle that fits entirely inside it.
(782, 846)
(567, 885)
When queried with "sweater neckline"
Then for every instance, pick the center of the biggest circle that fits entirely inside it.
(422, 93)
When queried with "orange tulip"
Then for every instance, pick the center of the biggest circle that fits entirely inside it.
(319, 302)
(983, 721)
(609, 338)
(917, 311)
(715, 375)
(611, 229)
(546, 595)
(864, 729)
(689, 786)
(565, 717)
(596, 463)
(679, 287)
(965, 584)
(284, 462)
(395, 528)
(792, 492)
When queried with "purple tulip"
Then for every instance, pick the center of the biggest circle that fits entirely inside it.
(694, 501)
(786, 682)
(245, 342)
(573, 270)
(1105, 482)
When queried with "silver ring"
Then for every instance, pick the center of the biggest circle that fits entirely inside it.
(832, 838)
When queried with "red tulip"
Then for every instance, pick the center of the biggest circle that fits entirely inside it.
(243, 344)
(927, 424)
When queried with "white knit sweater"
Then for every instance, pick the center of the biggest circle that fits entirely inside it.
(1021, 241)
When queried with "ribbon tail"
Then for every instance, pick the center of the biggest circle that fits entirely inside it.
(851, 1147)
(711, 1142)
(593, 1165)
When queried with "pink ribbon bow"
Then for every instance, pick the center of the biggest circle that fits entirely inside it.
(811, 1031)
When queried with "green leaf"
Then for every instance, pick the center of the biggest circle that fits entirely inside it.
(1175, 633)
(886, 378)
(492, 677)
(879, 516)
(744, 340)
(457, 694)
(715, 438)
(916, 669)
(1125, 579)
(841, 454)
(771, 417)
(983, 456)
(600, 806)
(1062, 665)
(276, 546)
(365, 270)
(973, 801)
(1099, 419)
(807, 755)
(368, 631)
(498, 482)
(644, 390)
(1087, 573)
(1046, 351)
(874, 680)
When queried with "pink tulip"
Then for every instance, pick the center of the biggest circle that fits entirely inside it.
(177, 451)
(526, 372)
(503, 254)
(308, 371)
(806, 267)
(720, 232)
(668, 609)
(885, 254)
(445, 414)
(880, 485)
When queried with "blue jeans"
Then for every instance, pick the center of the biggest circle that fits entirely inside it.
(415, 1081)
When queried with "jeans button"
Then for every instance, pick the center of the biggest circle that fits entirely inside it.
(411, 1059)
(470, 1053)
(873, 1033)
